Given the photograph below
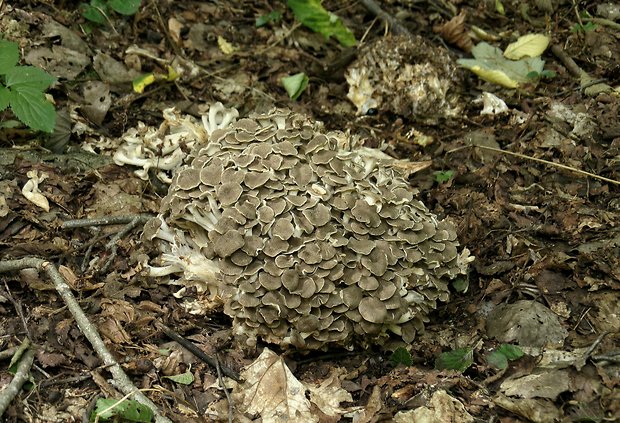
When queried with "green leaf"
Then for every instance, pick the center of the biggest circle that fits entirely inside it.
(5, 96)
(314, 16)
(10, 124)
(268, 18)
(130, 410)
(28, 77)
(443, 176)
(512, 352)
(31, 107)
(461, 285)
(587, 27)
(125, 7)
(499, 7)
(184, 378)
(401, 356)
(459, 359)
(504, 353)
(295, 84)
(497, 359)
(9, 55)
(533, 75)
(95, 11)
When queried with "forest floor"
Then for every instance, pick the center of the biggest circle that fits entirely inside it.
(540, 211)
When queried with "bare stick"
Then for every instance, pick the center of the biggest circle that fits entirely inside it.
(102, 221)
(231, 407)
(21, 376)
(121, 380)
(196, 351)
(376, 10)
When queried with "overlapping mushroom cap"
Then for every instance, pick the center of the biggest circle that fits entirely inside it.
(407, 76)
(307, 243)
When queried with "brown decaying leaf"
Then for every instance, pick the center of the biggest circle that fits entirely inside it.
(273, 392)
(455, 32)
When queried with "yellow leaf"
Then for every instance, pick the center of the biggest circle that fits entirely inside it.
(495, 77)
(143, 81)
(225, 46)
(531, 45)
(172, 74)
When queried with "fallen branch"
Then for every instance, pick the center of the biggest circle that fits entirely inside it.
(130, 222)
(103, 221)
(121, 380)
(21, 376)
(590, 86)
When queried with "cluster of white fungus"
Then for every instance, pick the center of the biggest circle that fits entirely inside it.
(306, 242)
(164, 149)
(406, 76)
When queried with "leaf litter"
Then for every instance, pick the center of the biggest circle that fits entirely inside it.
(540, 234)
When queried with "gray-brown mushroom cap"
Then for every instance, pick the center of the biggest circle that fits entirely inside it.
(306, 244)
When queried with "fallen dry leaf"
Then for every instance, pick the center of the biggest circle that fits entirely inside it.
(273, 392)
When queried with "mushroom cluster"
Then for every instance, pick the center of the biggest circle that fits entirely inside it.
(164, 149)
(306, 241)
(406, 76)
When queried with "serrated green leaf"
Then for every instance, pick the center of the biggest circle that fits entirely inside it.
(295, 84)
(184, 378)
(401, 356)
(268, 18)
(28, 77)
(133, 411)
(459, 359)
(491, 65)
(5, 96)
(314, 16)
(31, 107)
(512, 352)
(125, 7)
(497, 359)
(9, 55)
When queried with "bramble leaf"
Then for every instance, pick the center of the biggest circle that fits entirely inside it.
(9, 55)
(28, 77)
(125, 7)
(314, 16)
(31, 107)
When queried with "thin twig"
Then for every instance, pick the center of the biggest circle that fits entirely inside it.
(8, 353)
(112, 245)
(523, 156)
(604, 22)
(196, 351)
(121, 380)
(18, 309)
(21, 376)
(231, 408)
